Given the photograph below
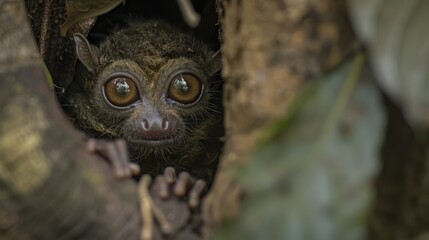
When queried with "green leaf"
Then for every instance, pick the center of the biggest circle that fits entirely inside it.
(397, 34)
(312, 176)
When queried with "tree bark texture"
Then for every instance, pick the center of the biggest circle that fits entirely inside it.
(270, 48)
(50, 188)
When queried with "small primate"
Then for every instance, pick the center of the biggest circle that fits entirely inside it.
(157, 88)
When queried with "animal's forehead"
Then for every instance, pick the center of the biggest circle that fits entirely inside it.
(153, 43)
(155, 48)
(151, 65)
(154, 62)
(150, 40)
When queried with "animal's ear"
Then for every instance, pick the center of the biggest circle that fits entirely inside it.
(215, 63)
(87, 53)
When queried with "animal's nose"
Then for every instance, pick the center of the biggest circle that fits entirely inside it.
(156, 126)
(155, 123)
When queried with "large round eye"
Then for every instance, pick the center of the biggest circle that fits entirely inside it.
(121, 91)
(185, 88)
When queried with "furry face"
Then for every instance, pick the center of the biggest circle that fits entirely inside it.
(156, 88)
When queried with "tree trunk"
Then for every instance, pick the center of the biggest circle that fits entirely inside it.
(270, 49)
(50, 187)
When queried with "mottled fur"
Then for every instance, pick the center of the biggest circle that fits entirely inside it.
(152, 51)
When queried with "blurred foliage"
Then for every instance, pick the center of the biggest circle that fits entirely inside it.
(78, 10)
(311, 177)
(397, 35)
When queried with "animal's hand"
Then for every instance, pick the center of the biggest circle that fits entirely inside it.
(116, 153)
(183, 186)
(170, 201)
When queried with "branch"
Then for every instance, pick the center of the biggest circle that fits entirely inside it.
(50, 187)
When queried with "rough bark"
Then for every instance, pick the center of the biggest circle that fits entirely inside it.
(270, 49)
(50, 188)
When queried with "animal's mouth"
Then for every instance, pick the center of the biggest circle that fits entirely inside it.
(154, 142)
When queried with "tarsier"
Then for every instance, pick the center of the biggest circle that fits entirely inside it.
(159, 90)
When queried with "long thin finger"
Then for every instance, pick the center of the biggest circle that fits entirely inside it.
(161, 187)
(100, 147)
(161, 219)
(195, 194)
(170, 175)
(114, 159)
(146, 208)
(183, 182)
(123, 160)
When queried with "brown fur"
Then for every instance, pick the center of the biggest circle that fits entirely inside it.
(152, 51)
